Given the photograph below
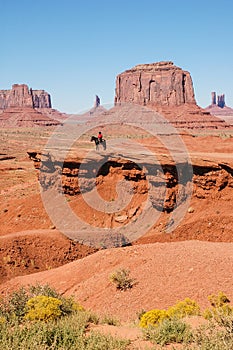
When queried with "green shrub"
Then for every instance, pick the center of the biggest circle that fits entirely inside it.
(92, 318)
(121, 279)
(45, 290)
(153, 318)
(214, 336)
(16, 303)
(69, 305)
(98, 341)
(15, 306)
(169, 331)
(108, 319)
(184, 308)
(62, 334)
(43, 308)
(217, 312)
(226, 322)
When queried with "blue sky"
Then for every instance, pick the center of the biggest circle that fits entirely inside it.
(75, 49)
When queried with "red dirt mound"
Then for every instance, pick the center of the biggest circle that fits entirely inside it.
(31, 251)
(164, 273)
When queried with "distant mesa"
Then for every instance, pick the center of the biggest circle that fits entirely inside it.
(21, 96)
(168, 90)
(22, 106)
(160, 86)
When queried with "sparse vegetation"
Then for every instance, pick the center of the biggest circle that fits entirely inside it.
(169, 326)
(219, 306)
(110, 320)
(153, 318)
(39, 317)
(121, 278)
(218, 300)
(213, 336)
(58, 323)
(68, 333)
(184, 308)
(169, 331)
(30, 302)
(187, 307)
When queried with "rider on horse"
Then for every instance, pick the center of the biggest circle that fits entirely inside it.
(100, 137)
(99, 141)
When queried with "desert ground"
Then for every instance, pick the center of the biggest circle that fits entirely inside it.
(194, 260)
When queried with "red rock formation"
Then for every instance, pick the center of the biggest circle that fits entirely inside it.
(213, 98)
(21, 96)
(221, 101)
(155, 84)
(219, 108)
(25, 117)
(22, 106)
(41, 99)
(167, 89)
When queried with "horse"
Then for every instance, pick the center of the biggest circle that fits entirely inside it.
(97, 143)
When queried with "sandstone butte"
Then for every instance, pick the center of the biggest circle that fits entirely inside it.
(166, 88)
(21, 96)
(22, 106)
(161, 86)
(219, 108)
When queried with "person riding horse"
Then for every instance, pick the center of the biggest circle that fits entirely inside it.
(100, 137)
(99, 141)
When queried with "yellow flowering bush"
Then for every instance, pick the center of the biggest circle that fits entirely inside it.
(43, 308)
(186, 307)
(153, 318)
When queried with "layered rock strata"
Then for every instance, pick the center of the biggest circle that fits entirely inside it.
(159, 83)
(209, 179)
(25, 107)
(25, 117)
(21, 96)
(167, 89)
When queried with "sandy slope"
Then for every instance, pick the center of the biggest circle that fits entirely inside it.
(165, 273)
(26, 252)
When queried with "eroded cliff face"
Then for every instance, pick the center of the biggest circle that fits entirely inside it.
(24, 107)
(168, 90)
(209, 180)
(21, 96)
(160, 84)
